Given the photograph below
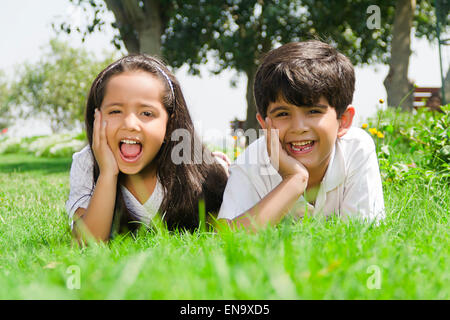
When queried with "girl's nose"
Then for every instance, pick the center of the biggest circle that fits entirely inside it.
(131, 122)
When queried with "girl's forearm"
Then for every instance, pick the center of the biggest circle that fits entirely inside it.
(99, 215)
(275, 205)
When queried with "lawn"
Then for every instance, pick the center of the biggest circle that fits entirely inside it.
(405, 257)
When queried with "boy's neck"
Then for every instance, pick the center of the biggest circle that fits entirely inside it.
(316, 176)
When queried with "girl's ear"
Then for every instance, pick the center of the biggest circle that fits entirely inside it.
(261, 121)
(346, 120)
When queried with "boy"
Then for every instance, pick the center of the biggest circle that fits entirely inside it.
(303, 90)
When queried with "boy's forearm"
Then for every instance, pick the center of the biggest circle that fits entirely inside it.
(99, 215)
(275, 205)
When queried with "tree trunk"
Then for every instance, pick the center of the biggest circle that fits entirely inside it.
(251, 121)
(397, 83)
(140, 26)
(447, 87)
(151, 29)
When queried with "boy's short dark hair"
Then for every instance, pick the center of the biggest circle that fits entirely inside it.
(302, 72)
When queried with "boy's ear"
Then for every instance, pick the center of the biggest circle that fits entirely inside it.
(346, 120)
(261, 121)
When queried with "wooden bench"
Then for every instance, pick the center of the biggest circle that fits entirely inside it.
(421, 95)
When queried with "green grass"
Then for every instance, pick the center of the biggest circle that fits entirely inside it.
(313, 259)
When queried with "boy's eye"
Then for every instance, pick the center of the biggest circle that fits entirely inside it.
(281, 114)
(314, 111)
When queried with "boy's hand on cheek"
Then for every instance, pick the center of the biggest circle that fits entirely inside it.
(102, 152)
(286, 165)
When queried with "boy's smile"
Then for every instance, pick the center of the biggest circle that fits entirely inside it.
(308, 133)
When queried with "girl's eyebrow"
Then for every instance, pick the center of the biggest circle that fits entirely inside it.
(113, 104)
(142, 105)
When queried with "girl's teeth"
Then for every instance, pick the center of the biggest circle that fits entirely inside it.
(129, 141)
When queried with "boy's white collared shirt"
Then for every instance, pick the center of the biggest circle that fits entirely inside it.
(351, 185)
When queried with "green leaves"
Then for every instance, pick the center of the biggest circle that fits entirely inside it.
(416, 147)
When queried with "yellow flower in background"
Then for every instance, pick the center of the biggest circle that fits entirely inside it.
(381, 101)
(235, 137)
(236, 154)
(373, 131)
(364, 125)
(380, 135)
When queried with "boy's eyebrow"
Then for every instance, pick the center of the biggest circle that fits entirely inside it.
(318, 105)
(278, 108)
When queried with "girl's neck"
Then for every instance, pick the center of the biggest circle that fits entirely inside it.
(142, 184)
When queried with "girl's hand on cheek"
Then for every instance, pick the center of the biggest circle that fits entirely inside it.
(286, 165)
(102, 152)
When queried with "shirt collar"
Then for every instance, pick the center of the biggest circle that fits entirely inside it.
(335, 173)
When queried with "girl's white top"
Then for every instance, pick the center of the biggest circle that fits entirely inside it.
(82, 188)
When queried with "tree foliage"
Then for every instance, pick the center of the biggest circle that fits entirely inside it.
(4, 97)
(236, 33)
(56, 85)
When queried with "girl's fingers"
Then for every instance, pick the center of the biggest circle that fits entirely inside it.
(103, 140)
(223, 156)
(97, 119)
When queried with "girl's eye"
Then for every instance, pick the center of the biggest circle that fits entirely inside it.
(114, 111)
(147, 113)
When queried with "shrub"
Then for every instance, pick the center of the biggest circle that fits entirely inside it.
(412, 145)
(53, 146)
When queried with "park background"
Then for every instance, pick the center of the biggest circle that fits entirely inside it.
(26, 29)
(406, 256)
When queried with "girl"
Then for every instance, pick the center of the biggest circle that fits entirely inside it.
(127, 172)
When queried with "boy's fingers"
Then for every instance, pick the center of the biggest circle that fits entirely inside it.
(273, 144)
(268, 136)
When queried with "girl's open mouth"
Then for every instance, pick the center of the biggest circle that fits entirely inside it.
(130, 150)
(303, 147)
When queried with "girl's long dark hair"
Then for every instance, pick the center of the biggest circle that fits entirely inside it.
(184, 184)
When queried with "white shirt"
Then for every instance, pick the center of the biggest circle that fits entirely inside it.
(82, 189)
(351, 185)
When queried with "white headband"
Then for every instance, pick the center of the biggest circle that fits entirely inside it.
(168, 80)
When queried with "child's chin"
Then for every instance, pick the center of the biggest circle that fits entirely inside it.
(129, 171)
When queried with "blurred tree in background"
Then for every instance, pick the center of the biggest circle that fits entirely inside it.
(56, 86)
(4, 97)
(235, 33)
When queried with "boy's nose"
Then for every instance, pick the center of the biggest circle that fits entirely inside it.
(299, 123)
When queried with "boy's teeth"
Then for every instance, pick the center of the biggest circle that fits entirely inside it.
(301, 143)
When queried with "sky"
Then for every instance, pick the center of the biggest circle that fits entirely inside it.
(25, 27)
